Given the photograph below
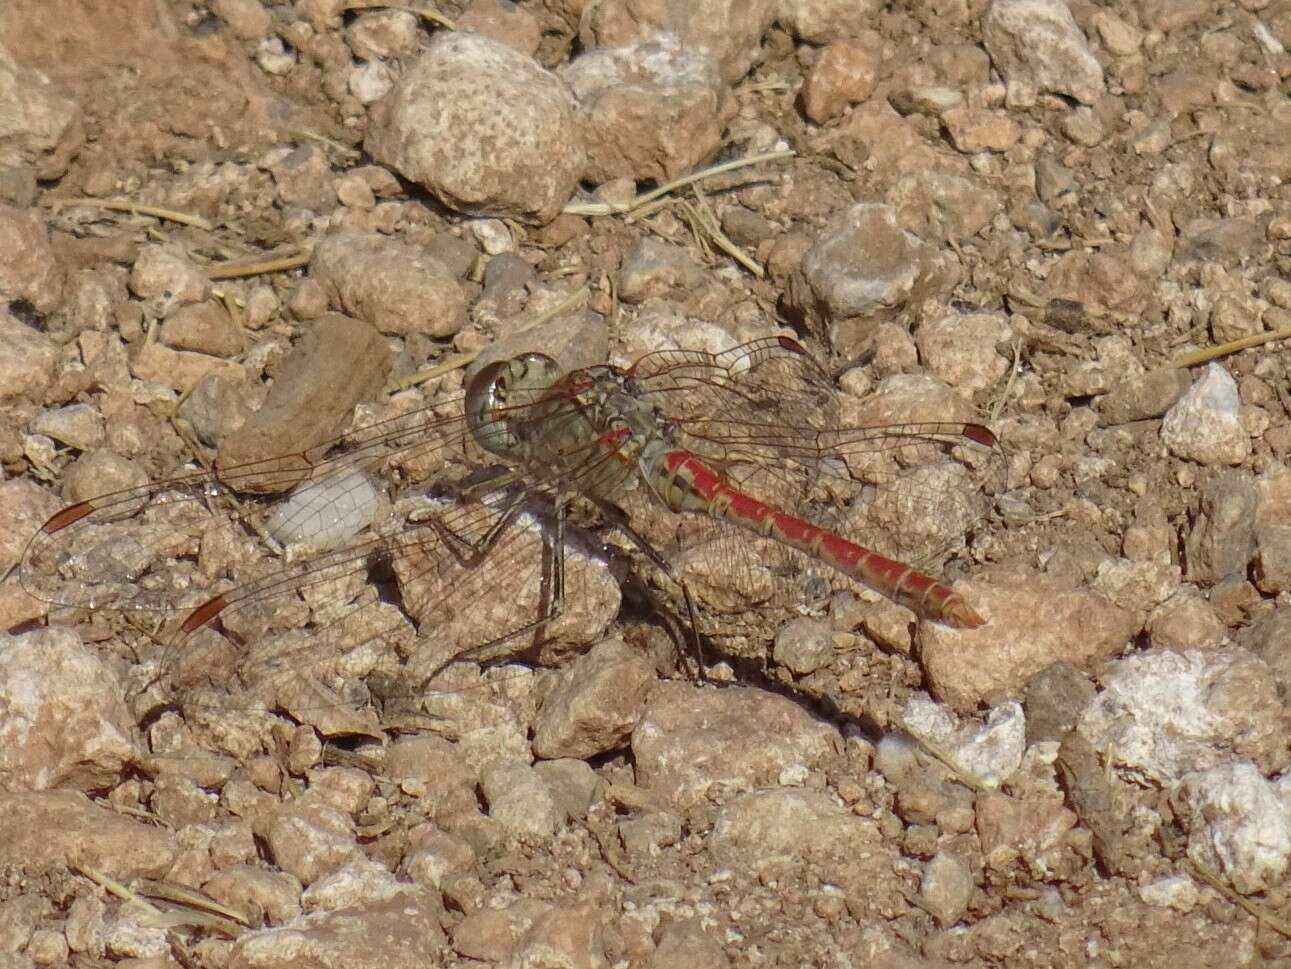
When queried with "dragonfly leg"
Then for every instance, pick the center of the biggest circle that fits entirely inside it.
(616, 517)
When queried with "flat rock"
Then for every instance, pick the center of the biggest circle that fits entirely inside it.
(692, 743)
(338, 362)
(63, 719)
(799, 823)
(62, 829)
(484, 128)
(402, 931)
(1031, 622)
(394, 286)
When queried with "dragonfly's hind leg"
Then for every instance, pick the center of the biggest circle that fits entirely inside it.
(616, 517)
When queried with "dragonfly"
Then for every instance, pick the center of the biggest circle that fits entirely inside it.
(417, 547)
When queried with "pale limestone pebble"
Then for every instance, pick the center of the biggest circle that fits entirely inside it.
(843, 74)
(59, 829)
(302, 176)
(214, 409)
(355, 883)
(345, 788)
(1239, 825)
(646, 835)
(1032, 831)
(973, 129)
(1136, 587)
(730, 30)
(48, 947)
(962, 348)
(1119, 37)
(1031, 622)
(309, 839)
(661, 326)
(1083, 126)
(1164, 713)
(1178, 892)
(595, 704)
(503, 21)
(30, 360)
(64, 721)
(572, 783)
(98, 472)
(164, 277)
(483, 128)
(93, 298)
(946, 887)
(248, 19)
(863, 270)
(650, 110)
(943, 205)
(1272, 530)
(435, 856)
(694, 743)
(1205, 424)
(401, 932)
(803, 645)
(521, 800)
(490, 934)
(1038, 42)
(825, 21)
(179, 803)
(493, 236)
(40, 125)
(273, 894)
(354, 192)
(130, 932)
(760, 827)
(390, 284)
(31, 270)
(991, 752)
(370, 81)
(78, 426)
(654, 268)
(383, 34)
(274, 57)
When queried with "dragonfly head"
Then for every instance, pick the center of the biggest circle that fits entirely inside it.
(497, 395)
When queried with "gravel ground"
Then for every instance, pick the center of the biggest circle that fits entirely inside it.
(234, 230)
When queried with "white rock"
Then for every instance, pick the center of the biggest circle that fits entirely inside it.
(1164, 714)
(1178, 892)
(370, 81)
(1240, 825)
(1038, 42)
(1205, 424)
(992, 752)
